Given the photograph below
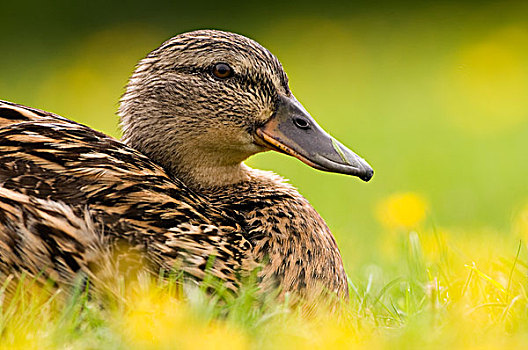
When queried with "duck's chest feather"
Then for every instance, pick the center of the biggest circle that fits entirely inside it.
(288, 236)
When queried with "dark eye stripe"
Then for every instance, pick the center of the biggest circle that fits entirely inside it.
(241, 79)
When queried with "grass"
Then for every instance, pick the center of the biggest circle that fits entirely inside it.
(448, 292)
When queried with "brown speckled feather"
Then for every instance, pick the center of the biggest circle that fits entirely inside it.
(287, 233)
(124, 195)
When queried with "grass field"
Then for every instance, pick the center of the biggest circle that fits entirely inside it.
(449, 291)
(433, 96)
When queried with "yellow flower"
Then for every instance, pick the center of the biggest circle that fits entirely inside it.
(402, 210)
(158, 320)
(322, 331)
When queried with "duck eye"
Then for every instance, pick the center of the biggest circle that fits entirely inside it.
(222, 71)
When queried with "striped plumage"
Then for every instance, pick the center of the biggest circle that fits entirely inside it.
(119, 191)
(177, 191)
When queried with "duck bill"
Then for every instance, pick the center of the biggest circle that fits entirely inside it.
(293, 131)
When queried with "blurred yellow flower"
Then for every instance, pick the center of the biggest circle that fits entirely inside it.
(322, 331)
(159, 320)
(402, 210)
(26, 339)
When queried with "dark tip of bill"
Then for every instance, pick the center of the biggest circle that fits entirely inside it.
(367, 175)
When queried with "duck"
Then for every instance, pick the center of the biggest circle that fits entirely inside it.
(175, 188)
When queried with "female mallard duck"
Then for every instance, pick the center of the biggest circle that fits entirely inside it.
(176, 187)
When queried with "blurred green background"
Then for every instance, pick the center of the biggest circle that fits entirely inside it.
(433, 95)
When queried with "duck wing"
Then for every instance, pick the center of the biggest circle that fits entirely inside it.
(49, 239)
(113, 190)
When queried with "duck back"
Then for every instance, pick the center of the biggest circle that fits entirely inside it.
(51, 167)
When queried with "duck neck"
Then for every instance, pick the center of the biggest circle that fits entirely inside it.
(201, 176)
(198, 166)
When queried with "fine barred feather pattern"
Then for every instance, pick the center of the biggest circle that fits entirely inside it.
(43, 236)
(80, 173)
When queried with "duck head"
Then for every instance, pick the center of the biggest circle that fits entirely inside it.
(204, 101)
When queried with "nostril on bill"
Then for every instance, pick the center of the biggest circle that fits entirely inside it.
(301, 123)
